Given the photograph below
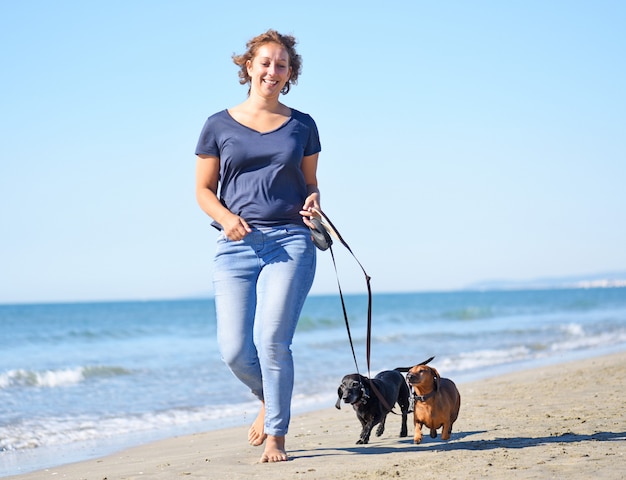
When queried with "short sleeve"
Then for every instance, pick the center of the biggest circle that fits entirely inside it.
(207, 143)
(313, 144)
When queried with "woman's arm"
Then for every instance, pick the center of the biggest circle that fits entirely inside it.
(309, 169)
(207, 175)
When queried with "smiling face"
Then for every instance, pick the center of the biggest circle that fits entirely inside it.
(269, 70)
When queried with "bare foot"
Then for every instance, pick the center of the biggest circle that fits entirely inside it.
(256, 434)
(274, 450)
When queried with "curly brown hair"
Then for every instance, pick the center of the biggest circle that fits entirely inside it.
(288, 42)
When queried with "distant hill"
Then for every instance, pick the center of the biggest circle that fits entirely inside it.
(597, 280)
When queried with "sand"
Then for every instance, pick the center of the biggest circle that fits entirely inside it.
(564, 421)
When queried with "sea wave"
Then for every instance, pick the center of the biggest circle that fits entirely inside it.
(44, 432)
(57, 378)
(585, 341)
(576, 338)
(63, 430)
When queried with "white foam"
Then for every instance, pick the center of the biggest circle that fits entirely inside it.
(484, 358)
(578, 342)
(46, 378)
(573, 329)
(44, 432)
(56, 378)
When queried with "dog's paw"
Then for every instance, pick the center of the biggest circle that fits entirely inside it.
(433, 433)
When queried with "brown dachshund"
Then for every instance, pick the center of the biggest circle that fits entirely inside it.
(437, 400)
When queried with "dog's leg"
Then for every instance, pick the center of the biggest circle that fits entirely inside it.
(404, 430)
(363, 428)
(433, 433)
(381, 426)
(365, 434)
(403, 401)
(417, 437)
(446, 431)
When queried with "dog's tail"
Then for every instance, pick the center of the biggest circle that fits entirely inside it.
(406, 369)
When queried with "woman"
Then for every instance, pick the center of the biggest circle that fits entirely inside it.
(263, 157)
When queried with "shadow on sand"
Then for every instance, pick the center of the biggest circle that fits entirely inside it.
(458, 443)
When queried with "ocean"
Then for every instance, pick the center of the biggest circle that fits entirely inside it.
(83, 380)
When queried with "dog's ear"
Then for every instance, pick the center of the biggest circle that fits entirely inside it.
(426, 362)
(436, 379)
(340, 395)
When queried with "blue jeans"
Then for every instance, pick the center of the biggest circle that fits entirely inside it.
(260, 285)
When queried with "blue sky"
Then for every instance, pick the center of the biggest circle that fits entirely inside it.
(462, 141)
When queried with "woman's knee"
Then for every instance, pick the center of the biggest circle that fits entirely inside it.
(277, 353)
(239, 358)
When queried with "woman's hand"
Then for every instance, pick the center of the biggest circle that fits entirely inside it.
(311, 205)
(207, 176)
(235, 227)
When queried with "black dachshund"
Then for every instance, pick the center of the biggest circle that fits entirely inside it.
(373, 399)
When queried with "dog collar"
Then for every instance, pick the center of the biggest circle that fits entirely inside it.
(423, 398)
(364, 396)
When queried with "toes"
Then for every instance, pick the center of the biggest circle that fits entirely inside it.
(256, 434)
(274, 456)
(274, 450)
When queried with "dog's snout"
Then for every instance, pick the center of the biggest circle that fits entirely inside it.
(416, 378)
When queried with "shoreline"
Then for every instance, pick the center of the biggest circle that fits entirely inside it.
(563, 420)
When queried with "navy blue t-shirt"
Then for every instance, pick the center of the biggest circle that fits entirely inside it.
(261, 179)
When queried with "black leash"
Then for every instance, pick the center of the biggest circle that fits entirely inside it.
(323, 241)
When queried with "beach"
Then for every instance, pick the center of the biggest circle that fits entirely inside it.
(561, 421)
